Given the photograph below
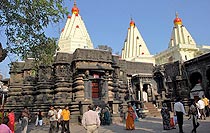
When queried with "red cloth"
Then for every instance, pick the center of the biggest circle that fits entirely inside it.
(172, 122)
(11, 123)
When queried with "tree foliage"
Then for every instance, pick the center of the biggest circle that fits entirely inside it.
(24, 22)
(104, 47)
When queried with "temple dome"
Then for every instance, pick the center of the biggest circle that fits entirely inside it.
(132, 23)
(177, 20)
(75, 9)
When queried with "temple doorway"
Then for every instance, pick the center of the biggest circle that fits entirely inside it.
(147, 93)
(95, 89)
(195, 78)
(99, 89)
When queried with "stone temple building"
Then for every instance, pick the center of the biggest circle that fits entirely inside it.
(81, 75)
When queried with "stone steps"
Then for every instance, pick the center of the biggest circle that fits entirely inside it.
(150, 110)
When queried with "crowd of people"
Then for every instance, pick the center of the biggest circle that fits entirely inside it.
(59, 118)
(199, 109)
(7, 122)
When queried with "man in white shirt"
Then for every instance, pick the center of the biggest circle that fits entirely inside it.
(90, 120)
(52, 114)
(179, 111)
(59, 110)
(201, 106)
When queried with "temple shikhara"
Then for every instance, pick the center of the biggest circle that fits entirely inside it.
(81, 75)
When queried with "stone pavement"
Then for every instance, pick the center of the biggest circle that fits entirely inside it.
(147, 125)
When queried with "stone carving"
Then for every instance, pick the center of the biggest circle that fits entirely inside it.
(87, 85)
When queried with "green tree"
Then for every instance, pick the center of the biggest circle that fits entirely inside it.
(24, 22)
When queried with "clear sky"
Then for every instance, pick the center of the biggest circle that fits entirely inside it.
(107, 22)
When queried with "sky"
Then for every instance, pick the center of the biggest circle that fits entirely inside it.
(107, 22)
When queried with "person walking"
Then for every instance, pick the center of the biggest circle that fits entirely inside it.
(179, 111)
(201, 107)
(130, 118)
(165, 113)
(206, 102)
(52, 114)
(193, 112)
(11, 123)
(65, 116)
(39, 120)
(90, 120)
(24, 122)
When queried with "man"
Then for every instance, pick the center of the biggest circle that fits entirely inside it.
(65, 116)
(179, 111)
(206, 102)
(201, 106)
(24, 122)
(59, 121)
(52, 114)
(90, 120)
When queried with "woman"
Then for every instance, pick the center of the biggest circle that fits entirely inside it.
(193, 116)
(39, 118)
(130, 118)
(4, 127)
(166, 117)
(107, 117)
(11, 123)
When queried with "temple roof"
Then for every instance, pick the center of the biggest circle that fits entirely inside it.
(134, 45)
(180, 34)
(74, 35)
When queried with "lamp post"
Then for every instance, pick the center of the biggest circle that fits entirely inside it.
(3, 92)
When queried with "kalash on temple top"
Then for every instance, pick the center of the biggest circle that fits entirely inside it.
(74, 35)
(181, 47)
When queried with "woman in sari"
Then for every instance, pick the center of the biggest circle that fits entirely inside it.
(11, 123)
(166, 117)
(130, 118)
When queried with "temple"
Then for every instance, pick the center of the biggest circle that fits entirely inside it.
(74, 35)
(135, 49)
(182, 46)
(81, 75)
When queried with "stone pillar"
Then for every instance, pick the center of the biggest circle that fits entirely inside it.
(116, 113)
(141, 89)
(78, 109)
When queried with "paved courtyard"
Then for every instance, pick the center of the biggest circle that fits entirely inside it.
(147, 125)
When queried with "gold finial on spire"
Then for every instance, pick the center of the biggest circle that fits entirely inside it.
(75, 3)
(177, 20)
(132, 23)
(177, 14)
(75, 10)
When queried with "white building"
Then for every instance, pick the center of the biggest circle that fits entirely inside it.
(135, 49)
(74, 35)
(182, 46)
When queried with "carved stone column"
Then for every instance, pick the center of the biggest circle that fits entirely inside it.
(63, 85)
(116, 112)
(45, 86)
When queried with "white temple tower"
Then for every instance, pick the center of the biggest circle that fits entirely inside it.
(135, 49)
(74, 35)
(182, 46)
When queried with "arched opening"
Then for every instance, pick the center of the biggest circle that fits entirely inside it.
(195, 78)
(208, 74)
(147, 90)
(158, 77)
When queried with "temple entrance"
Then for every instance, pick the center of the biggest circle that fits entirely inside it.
(159, 78)
(147, 93)
(95, 89)
(99, 89)
(195, 78)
